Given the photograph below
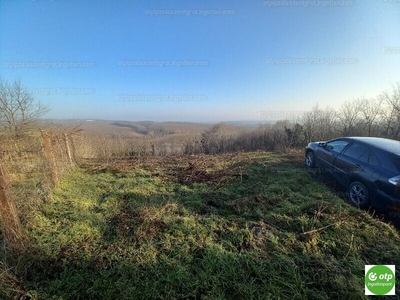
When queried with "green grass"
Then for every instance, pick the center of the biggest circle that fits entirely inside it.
(273, 232)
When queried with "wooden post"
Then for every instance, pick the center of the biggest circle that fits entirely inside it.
(10, 223)
(50, 157)
(73, 150)
(67, 146)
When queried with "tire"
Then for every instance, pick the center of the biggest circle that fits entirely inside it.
(358, 194)
(310, 159)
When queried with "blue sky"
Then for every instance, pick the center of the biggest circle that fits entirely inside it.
(331, 53)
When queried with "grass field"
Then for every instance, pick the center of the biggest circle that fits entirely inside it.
(239, 226)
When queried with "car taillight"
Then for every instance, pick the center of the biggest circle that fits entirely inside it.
(395, 180)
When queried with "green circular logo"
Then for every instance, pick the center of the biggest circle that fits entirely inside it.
(379, 280)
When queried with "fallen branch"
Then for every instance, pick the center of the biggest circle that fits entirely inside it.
(322, 228)
(351, 243)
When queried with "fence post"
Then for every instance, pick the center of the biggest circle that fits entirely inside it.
(67, 146)
(73, 150)
(10, 223)
(50, 157)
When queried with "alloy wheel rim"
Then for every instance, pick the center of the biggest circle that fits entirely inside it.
(309, 160)
(357, 194)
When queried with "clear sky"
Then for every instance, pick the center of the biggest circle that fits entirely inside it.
(239, 60)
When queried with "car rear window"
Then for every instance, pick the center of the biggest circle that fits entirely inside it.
(369, 157)
(373, 159)
(396, 161)
(355, 150)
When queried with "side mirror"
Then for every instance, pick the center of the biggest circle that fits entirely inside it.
(321, 144)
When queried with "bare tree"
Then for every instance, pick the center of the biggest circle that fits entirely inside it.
(349, 117)
(295, 135)
(391, 112)
(371, 110)
(18, 109)
(309, 121)
(319, 124)
(278, 134)
(218, 139)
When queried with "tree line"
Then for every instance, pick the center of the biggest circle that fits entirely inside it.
(378, 116)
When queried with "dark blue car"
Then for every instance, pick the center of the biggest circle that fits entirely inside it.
(368, 167)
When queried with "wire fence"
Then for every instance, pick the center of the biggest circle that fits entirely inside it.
(30, 165)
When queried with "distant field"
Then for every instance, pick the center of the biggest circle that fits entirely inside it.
(141, 128)
(236, 226)
(109, 127)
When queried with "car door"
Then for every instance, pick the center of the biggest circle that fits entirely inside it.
(348, 162)
(327, 154)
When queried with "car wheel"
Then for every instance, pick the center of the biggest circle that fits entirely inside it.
(358, 194)
(310, 159)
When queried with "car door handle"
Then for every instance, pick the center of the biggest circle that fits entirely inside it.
(357, 166)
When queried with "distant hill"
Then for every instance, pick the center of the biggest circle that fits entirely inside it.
(253, 124)
(144, 128)
(137, 128)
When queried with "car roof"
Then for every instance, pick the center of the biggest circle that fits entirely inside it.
(392, 146)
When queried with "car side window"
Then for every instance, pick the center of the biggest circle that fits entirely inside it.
(355, 150)
(373, 159)
(336, 146)
(365, 156)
